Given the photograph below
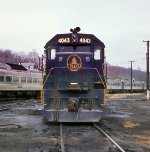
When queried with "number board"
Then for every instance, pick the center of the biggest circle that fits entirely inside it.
(67, 40)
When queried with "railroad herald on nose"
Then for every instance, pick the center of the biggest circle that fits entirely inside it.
(74, 62)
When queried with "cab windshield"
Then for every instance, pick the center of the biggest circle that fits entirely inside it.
(74, 48)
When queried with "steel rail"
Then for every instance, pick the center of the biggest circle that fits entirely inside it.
(62, 139)
(99, 129)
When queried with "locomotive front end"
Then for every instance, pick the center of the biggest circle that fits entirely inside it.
(74, 82)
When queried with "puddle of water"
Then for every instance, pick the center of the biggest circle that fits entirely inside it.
(120, 115)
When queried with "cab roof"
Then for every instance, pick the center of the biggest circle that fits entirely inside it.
(55, 40)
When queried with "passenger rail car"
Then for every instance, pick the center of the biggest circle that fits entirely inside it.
(117, 85)
(19, 82)
(74, 84)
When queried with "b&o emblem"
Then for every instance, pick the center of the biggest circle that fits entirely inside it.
(74, 62)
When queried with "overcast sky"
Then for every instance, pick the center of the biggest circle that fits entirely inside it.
(121, 24)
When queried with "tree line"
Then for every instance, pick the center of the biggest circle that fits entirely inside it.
(9, 56)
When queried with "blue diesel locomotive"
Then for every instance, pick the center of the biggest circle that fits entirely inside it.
(74, 82)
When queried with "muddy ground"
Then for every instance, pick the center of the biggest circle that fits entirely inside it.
(126, 120)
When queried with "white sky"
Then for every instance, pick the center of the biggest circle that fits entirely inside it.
(121, 24)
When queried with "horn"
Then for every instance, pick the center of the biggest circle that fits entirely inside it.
(71, 30)
(78, 29)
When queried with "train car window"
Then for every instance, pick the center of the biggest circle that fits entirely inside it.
(15, 79)
(39, 80)
(23, 79)
(34, 80)
(29, 79)
(1, 78)
(8, 78)
(51, 53)
(75, 48)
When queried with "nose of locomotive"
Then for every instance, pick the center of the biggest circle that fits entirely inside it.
(75, 74)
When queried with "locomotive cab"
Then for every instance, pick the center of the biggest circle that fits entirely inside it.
(74, 81)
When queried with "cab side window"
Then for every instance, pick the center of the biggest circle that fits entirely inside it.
(51, 53)
(97, 53)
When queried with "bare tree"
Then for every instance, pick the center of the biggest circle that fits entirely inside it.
(33, 56)
(19, 57)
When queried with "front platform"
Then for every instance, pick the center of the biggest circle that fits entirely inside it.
(65, 116)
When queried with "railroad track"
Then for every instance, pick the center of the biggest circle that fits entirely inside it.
(106, 135)
(80, 142)
(62, 143)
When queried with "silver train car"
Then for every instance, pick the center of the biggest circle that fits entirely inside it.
(16, 81)
(117, 85)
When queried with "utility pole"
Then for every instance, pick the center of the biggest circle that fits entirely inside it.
(131, 76)
(147, 65)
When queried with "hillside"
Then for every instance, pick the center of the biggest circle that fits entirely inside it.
(116, 72)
